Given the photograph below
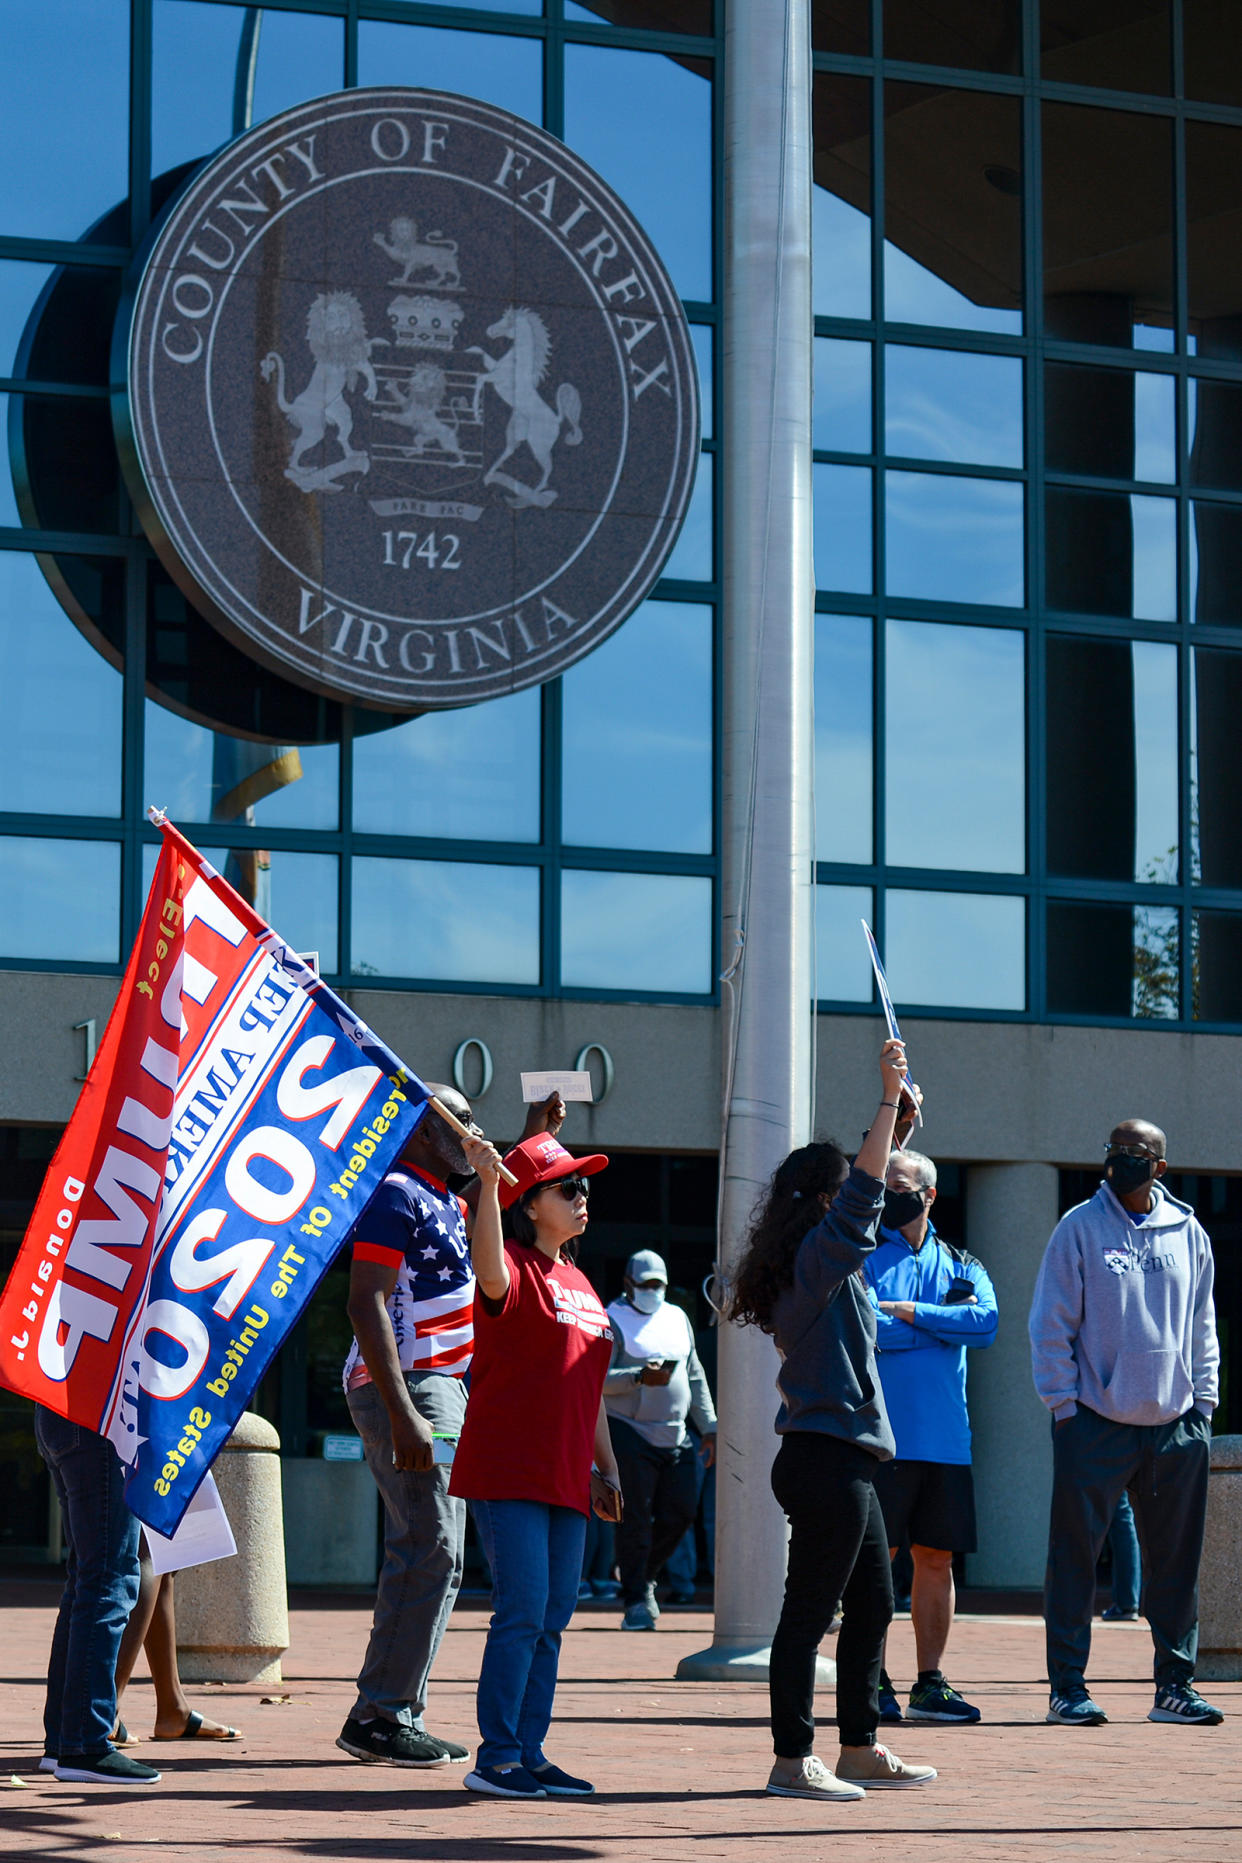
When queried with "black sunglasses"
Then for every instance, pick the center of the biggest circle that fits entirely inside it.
(571, 1187)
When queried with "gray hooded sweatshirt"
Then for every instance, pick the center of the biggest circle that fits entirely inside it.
(1122, 1319)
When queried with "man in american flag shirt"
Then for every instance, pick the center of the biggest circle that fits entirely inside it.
(411, 1301)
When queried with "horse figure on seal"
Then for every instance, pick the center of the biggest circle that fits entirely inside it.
(516, 377)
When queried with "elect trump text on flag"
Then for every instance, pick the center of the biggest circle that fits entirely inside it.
(236, 1122)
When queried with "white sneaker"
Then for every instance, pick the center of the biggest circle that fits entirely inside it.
(809, 1778)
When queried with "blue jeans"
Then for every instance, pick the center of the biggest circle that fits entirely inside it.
(1127, 1565)
(535, 1552)
(101, 1586)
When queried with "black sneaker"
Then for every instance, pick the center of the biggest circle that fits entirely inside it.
(106, 1768)
(1178, 1701)
(890, 1707)
(392, 1744)
(938, 1700)
(453, 1753)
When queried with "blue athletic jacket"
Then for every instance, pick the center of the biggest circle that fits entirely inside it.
(923, 1366)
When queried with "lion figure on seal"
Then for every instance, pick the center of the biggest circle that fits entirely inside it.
(337, 337)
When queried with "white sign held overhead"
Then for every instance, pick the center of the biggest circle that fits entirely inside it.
(569, 1083)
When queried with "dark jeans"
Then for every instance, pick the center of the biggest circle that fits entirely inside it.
(1165, 1468)
(1127, 1563)
(661, 1493)
(837, 1550)
(101, 1586)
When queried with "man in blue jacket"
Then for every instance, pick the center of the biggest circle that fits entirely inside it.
(932, 1301)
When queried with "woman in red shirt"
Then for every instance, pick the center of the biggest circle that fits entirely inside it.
(535, 1454)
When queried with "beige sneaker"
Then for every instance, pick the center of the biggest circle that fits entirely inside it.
(879, 1767)
(809, 1778)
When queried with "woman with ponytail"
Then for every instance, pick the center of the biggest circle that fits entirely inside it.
(800, 1279)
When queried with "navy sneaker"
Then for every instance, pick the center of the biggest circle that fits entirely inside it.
(890, 1707)
(1075, 1708)
(558, 1784)
(1178, 1701)
(509, 1782)
(938, 1700)
(1114, 1614)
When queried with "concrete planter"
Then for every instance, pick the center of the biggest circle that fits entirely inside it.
(1220, 1574)
(232, 1615)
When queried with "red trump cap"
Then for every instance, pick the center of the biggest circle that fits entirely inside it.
(542, 1160)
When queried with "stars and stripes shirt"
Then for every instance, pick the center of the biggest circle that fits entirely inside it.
(415, 1224)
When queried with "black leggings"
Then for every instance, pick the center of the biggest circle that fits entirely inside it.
(838, 1550)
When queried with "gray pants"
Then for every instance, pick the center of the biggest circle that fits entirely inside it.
(424, 1526)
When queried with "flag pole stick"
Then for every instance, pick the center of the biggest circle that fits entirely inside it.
(451, 1119)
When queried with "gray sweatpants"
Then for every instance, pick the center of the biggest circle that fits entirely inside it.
(424, 1526)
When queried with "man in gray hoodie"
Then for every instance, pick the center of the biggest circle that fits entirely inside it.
(1125, 1356)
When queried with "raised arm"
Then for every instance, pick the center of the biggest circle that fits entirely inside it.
(873, 1153)
(487, 1246)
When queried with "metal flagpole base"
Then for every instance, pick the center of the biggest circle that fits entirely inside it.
(738, 1661)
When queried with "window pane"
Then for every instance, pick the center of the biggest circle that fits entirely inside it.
(70, 338)
(956, 736)
(302, 902)
(9, 513)
(1213, 191)
(692, 555)
(953, 208)
(1216, 795)
(468, 775)
(1215, 563)
(494, 68)
(1216, 435)
(608, 92)
(843, 739)
(841, 196)
(201, 57)
(1110, 423)
(60, 700)
(955, 540)
(842, 523)
(64, 450)
(60, 899)
(1111, 553)
(637, 750)
(946, 404)
(636, 931)
(703, 338)
(980, 35)
(1212, 50)
(842, 961)
(956, 950)
(1113, 960)
(841, 26)
(1108, 220)
(199, 775)
(662, 16)
(1217, 975)
(1120, 45)
(64, 101)
(445, 921)
(841, 420)
(1111, 755)
(20, 285)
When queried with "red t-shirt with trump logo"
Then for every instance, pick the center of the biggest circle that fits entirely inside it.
(540, 1360)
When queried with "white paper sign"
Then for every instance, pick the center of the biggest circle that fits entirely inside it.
(204, 1534)
(570, 1086)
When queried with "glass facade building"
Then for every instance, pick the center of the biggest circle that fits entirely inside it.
(1027, 431)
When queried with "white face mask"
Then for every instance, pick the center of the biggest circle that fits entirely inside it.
(648, 1299)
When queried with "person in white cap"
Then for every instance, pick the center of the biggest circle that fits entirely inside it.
(654, 1384)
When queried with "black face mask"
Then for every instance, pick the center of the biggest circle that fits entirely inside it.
(902, 1207)
(1126, 1174)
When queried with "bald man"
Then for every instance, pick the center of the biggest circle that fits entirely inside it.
(1125, 1356)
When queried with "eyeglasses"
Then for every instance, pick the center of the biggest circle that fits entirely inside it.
(571, 1187)
(1131, 1151)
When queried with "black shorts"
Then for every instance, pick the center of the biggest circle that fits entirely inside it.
(932, 1502)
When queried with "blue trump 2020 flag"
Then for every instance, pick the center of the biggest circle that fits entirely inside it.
(286, 1113)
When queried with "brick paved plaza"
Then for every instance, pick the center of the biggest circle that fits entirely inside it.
(679, 1766)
